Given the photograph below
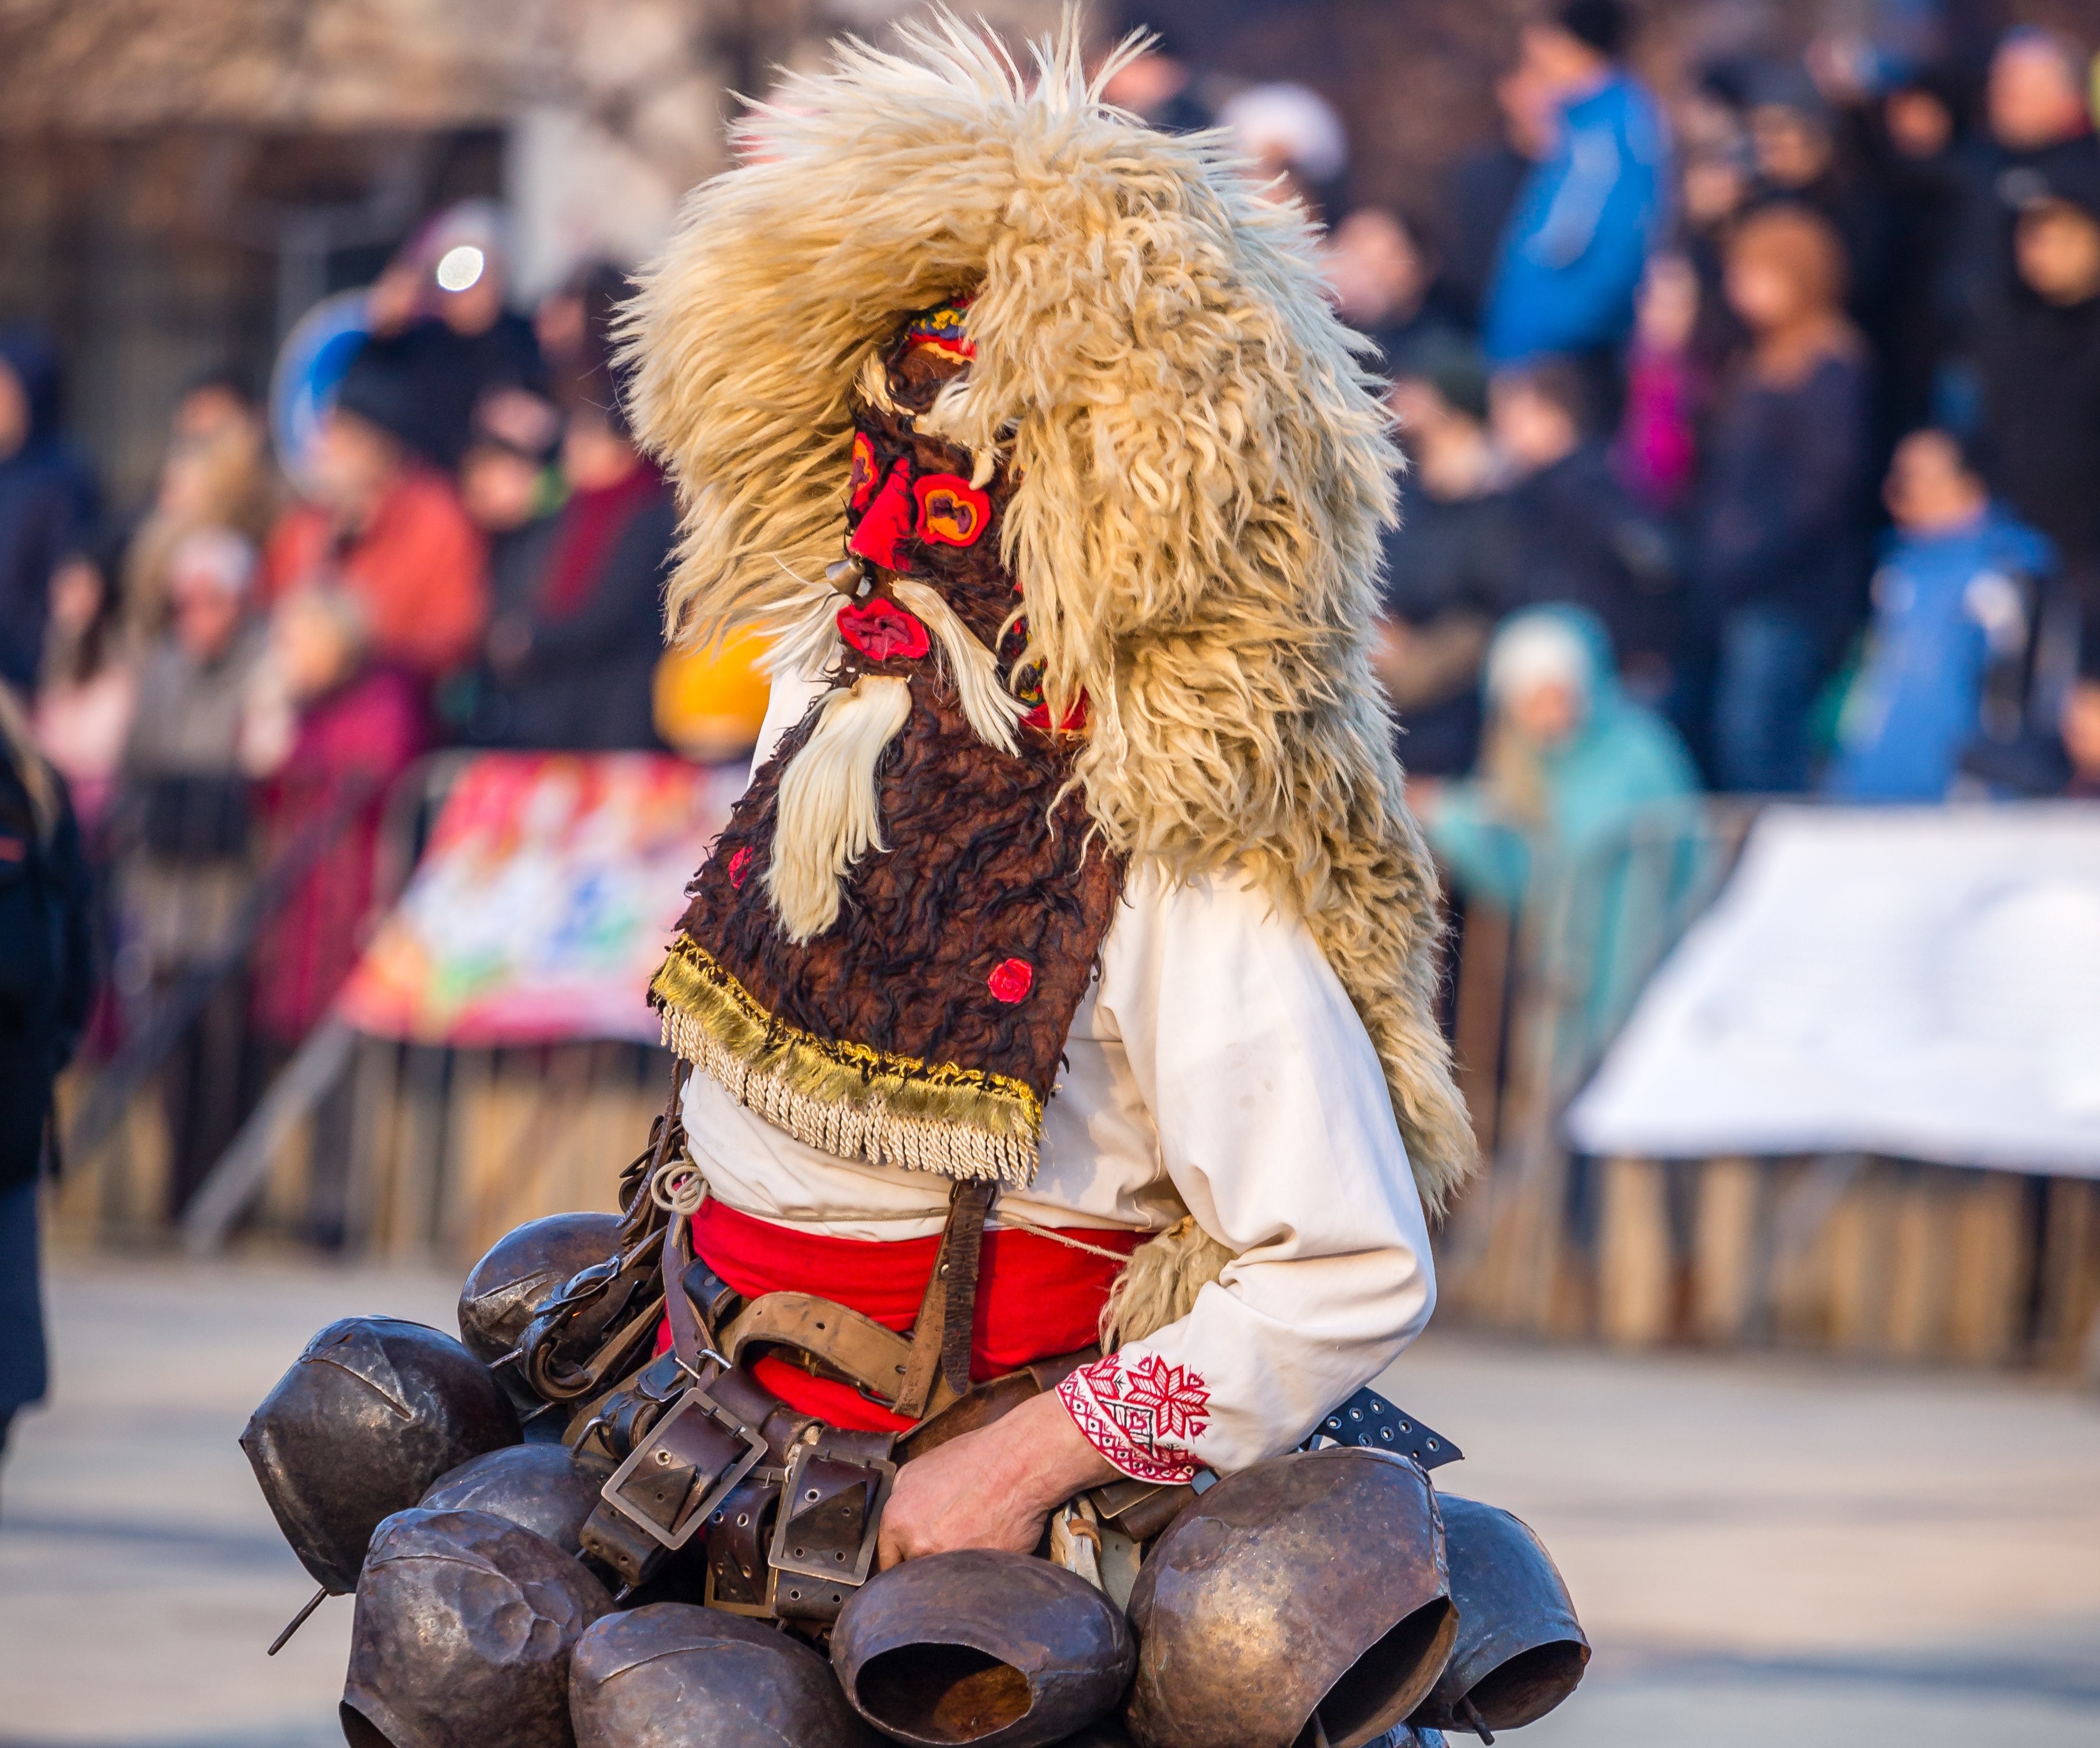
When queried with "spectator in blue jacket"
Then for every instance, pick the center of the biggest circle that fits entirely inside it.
(1572, 257)
(1953, 606)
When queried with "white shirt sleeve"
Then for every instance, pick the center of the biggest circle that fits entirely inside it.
(1275, 1126)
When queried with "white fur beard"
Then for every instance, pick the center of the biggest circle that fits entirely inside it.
(828, 816)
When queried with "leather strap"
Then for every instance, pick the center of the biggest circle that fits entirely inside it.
(962, 1250)
(914, 1375)
(610, 1356)
(639, 1208)
(857, 1347)
(941, 1338)
(985, 1403)
(688, 1339)
(689, 1336)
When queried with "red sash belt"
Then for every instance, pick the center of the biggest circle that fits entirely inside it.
(1036, 1298)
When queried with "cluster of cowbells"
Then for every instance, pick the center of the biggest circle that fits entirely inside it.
(1328, 1596)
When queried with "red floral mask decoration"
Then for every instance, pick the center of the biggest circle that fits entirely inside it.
(860, 483)
(951, 510)
(887, 521)
(883, 631)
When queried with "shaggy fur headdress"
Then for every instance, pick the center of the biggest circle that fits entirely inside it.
(1204, 468)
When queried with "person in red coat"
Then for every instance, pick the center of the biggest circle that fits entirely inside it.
(387, 528)
(356, 723)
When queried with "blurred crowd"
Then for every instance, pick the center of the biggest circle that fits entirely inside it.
(1754, 436)
(467, 550)
(1755, 431)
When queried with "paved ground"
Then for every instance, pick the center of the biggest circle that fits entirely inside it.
(1764, 1553)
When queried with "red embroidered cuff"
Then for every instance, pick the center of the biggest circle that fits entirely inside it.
(1139, 1416)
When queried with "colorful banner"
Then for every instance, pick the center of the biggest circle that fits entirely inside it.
(544, 902)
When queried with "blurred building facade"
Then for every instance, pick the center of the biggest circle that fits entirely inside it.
(181, 181)
(178, 183)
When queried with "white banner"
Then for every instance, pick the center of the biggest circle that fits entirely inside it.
(1922, 983)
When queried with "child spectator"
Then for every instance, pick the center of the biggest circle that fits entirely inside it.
(216, 474)
(1780, 548)
(187, 867)
(1572, 773)
(1658, 451)
(1954, 598)
(1580, 540)
(387, 528)
(1449, 564)
(356, 725)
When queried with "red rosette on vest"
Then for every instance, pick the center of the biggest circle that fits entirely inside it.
(1011, 980)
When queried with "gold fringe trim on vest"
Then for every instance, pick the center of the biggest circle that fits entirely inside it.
(847, 1099)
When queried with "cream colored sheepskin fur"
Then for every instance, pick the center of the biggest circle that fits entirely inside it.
(1204, 467)
(828, 817)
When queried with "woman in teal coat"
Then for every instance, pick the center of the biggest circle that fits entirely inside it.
(1583, 818)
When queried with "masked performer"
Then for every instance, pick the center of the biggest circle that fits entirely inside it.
(1072, 945)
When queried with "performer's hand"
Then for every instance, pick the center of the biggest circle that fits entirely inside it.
(992, 1488)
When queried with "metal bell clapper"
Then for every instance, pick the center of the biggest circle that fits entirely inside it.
(850, 578)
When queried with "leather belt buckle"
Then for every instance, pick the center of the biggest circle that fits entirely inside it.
(739, 1580)
(831, 1510)
(718, 1596)
(690, 1463)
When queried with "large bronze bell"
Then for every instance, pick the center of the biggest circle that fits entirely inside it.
(463, 1635)
(1519, 1650)
(672, 1675)
(546, 1489)
(368, 1417)
(525, 1269)
(998, 1649)
(1313, 1583)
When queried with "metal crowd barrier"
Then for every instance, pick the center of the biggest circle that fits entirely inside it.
(366, 1145)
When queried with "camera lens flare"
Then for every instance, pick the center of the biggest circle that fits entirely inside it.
(461, 268)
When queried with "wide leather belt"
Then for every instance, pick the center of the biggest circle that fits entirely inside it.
(727, 1455)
